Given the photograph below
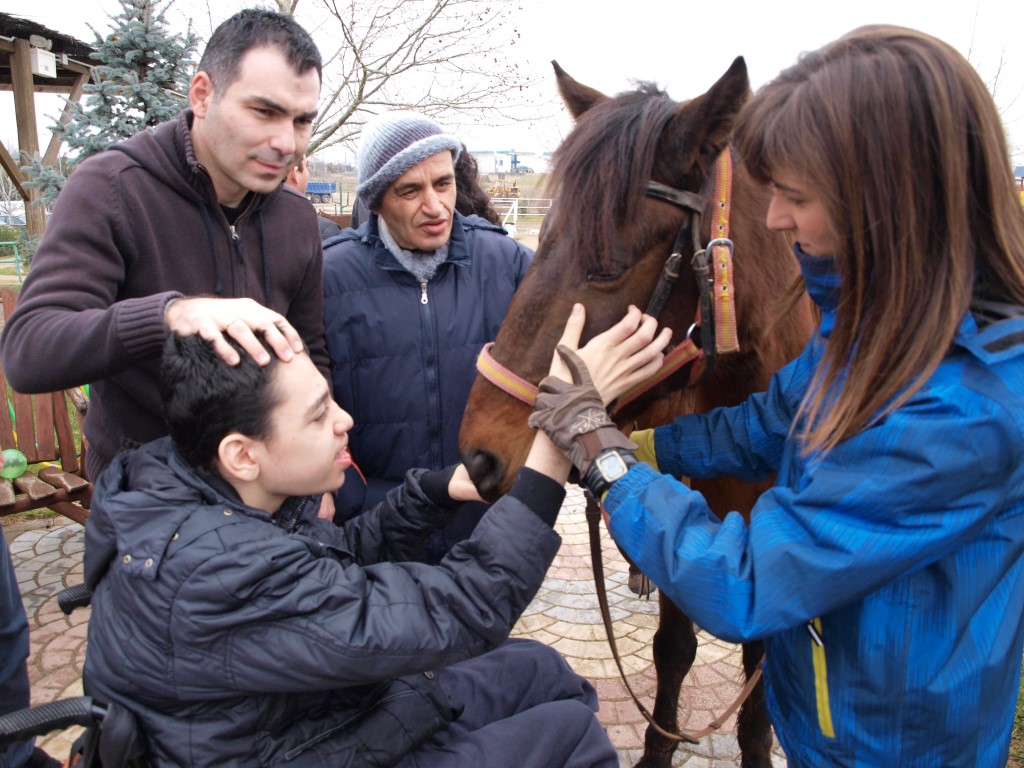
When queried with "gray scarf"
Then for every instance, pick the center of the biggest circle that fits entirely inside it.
(421, 264)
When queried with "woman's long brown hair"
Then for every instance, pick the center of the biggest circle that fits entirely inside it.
(902, 140)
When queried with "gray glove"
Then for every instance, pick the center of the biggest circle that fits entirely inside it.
(574, 416)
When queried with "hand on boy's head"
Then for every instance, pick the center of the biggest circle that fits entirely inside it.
(212, 318)
(618, 358)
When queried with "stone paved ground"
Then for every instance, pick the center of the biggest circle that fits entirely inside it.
(47, 557)
(565, 614)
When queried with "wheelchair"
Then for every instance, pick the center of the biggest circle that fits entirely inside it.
(111, 738)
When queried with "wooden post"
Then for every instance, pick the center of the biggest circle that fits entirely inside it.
(56, 137)
(28, 134)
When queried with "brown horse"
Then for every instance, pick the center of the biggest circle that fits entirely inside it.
(604, 243)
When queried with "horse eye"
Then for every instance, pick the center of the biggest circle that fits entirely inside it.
(603, 277)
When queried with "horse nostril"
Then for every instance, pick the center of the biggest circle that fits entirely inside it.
(485, 470)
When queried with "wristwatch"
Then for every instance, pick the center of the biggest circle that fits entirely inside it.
(607, 467)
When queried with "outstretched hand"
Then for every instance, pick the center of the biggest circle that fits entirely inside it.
(214, 318)
(571, 406)
(461, 488)
(618, 359)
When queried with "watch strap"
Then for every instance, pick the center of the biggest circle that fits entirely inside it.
(600, 439)
(595, 480)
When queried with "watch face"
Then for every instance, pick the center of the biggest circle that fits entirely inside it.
(611, 466)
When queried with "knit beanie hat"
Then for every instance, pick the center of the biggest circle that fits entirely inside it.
(393, 143)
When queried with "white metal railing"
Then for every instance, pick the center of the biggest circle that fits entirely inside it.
(511, 209)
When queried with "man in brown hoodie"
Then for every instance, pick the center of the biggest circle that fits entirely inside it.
(184, 228)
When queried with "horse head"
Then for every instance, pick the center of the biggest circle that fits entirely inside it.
(605, 240)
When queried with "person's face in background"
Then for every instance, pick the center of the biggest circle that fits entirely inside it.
(298, 177)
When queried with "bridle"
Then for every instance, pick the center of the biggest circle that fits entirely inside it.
(716, 319)
(712, 268)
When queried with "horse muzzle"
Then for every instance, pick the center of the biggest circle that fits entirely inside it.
(487, 471)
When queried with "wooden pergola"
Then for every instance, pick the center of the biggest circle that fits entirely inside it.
(17, 38)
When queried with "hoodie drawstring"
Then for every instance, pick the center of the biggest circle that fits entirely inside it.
(263, 257)
(218, 288)
(218, 283)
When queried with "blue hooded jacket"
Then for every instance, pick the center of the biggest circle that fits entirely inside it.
(902, 548)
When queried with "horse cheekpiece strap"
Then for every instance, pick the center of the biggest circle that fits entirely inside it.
(721, 250)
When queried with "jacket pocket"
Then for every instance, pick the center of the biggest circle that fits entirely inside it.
(820, 678)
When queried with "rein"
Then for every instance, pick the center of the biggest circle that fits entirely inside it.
(714, 283)
(593, 526)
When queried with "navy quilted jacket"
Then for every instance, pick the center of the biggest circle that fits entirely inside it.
(241, 641)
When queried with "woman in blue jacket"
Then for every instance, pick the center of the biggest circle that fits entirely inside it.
(885, 569)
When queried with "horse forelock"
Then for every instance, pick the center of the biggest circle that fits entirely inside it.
(603, 166)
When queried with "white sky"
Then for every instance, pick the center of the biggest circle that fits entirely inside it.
(681, 45)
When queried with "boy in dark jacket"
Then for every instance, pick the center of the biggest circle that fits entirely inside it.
(243, 630)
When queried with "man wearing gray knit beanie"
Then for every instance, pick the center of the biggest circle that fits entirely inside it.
(394, 143)
(410, 298)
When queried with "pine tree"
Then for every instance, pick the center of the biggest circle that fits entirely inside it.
(141, 80)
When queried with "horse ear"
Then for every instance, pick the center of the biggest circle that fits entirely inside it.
(577, 97)
(704, 124)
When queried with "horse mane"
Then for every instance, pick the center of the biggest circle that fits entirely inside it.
(606, 160)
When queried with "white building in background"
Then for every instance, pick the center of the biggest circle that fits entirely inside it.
(511, 161)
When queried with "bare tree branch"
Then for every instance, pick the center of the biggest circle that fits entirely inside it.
(438, 57)
(287, 7)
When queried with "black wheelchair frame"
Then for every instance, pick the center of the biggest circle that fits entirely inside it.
(111, 738)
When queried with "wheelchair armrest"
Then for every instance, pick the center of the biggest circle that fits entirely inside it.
(77, 596)
(54, 716)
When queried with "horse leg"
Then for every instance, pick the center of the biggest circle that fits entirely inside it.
(675, 648)
(753, 728)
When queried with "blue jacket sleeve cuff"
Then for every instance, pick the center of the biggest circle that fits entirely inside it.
(630, 485)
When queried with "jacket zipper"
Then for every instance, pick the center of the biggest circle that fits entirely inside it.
(236, 239)
(432, 373)
(820, 679)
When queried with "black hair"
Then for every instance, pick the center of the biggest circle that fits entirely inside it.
(470, 197)
(204, 399)
(256, 28)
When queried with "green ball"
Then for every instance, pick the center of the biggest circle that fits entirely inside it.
(15, 464)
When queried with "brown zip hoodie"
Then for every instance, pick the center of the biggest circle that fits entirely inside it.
(135, 226)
